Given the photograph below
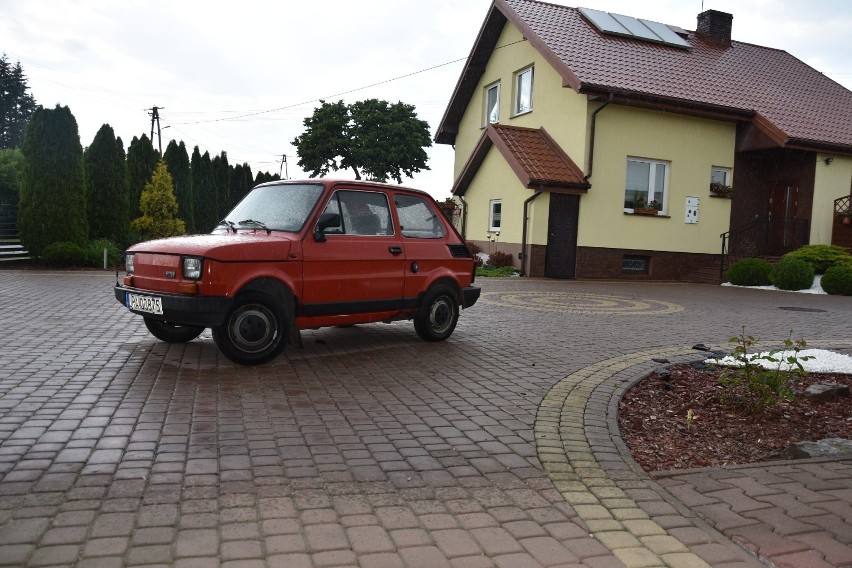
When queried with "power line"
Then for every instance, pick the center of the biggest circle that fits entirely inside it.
(256, 113)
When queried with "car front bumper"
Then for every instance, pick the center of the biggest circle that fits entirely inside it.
(199, 311)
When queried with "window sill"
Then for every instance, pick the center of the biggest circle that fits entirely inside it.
(647, 215)
(719, 196)
(517, 114)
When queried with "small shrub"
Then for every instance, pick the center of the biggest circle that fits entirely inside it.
(500, 259)
(63, 254)
(755, 387)
(792, 274)
(837, 280)
(749, 272)
(474, 248)
(95, 253)
(820, 257)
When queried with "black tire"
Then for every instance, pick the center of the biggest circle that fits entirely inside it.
(172, 332)
(438, 314)
(254, 331)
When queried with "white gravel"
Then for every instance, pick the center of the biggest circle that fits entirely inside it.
(822, 361)
(814, 289)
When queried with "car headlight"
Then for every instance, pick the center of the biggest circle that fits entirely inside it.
(192, 266)
(128, 262)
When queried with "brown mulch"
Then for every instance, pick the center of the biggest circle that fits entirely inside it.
(653, 420)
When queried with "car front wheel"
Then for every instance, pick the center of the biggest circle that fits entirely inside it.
(172, 332)
(438, 314)
(254, 331)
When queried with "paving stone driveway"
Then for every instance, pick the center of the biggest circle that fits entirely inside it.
(367, 448)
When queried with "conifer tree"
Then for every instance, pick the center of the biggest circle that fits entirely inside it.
(142, 158)
(177, 161)
(107, 199)
(16, 104)
(159, 207)
(203, 191)
(52, 200)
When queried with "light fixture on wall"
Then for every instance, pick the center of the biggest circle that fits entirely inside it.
(828, 161)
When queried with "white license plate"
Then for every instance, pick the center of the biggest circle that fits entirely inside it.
(149, 304)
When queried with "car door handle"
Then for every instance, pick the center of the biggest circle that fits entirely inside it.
(395, 250)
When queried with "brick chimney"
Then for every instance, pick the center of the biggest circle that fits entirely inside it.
(716, 26)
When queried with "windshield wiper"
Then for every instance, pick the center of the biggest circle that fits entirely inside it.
(254, 223)
(229, 224)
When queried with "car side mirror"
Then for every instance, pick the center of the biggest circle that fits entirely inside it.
(326, 220)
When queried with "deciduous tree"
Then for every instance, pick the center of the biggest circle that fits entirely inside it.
(371, 137)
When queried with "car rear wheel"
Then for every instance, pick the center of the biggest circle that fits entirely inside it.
(438, 314)
(254, 331)
(172, 332)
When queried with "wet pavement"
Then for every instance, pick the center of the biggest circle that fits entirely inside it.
(371, 448)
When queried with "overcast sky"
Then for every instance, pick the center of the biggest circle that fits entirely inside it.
(242, 76)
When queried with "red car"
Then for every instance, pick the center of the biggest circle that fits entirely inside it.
(300, 255)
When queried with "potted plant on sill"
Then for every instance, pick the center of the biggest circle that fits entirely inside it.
(652, 208)
(721, 190)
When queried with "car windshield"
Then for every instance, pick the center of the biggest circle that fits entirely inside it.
(278, 207)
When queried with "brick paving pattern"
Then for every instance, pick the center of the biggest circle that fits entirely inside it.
(372, 448)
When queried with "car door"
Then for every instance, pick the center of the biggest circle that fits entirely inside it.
(359, 267)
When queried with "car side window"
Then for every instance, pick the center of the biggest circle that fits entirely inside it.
(417, 219)
(361, 213)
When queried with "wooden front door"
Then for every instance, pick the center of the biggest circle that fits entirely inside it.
(783, 203)
(562, 236)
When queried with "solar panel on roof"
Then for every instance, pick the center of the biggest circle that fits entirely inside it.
(667, 34)
(627, 26)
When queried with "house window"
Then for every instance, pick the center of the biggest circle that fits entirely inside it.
(492, 104)
(645, 189)
(720, 181)
(494, 215)
(523, 91)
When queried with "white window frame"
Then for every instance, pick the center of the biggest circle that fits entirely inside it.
(520, 87)
(492, 226)
(487, 116)
(727, 173)
(652, 183)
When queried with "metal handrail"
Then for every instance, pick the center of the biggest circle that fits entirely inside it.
(752, 239)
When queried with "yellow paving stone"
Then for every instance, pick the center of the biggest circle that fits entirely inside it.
(580, 498)
(630, 513)
(614, 540)
(638, 557)
(644, 528)
(661, 544)
(625, 503)
(609, 492)
(588, 512)
(603, 525)
(684, 560)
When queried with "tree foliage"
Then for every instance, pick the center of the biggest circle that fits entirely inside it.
(142, 158)
(107, 199)
(52, 200)
(203, 190)
(11, 168)
(16, 104)
(372, 137)
(159, 207)
(177, 162)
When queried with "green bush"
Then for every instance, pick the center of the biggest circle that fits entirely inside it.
(63, 254)
(837, 280)
(820, 257)
(792, 274)
(749, 272)
(495, 272)
(95, 253)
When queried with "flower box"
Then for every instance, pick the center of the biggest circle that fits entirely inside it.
(644, 211)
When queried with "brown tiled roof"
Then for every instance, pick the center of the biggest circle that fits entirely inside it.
(532, 154)
(790, 101)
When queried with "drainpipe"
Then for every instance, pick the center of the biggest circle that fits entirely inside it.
(463, 217)
(524, 232)
(592, 136)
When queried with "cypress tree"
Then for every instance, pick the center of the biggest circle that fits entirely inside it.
(53, 200)
(107, 199)
(16, 104)
(241, 182)
(221, 181)
(203, 191)
(177, 161)
(142, 158)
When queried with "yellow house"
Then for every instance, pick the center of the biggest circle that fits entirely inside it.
(596, 145)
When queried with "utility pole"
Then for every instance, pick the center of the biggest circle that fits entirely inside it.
(155, 117)
(283, 167)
